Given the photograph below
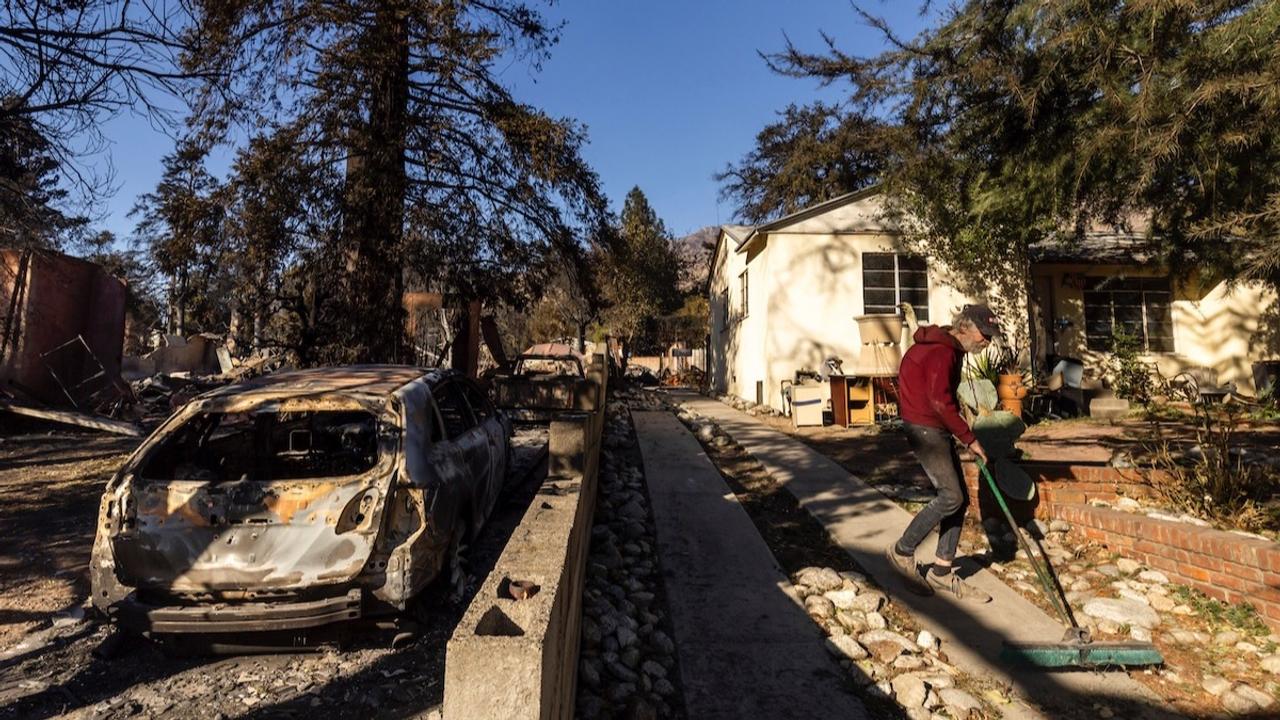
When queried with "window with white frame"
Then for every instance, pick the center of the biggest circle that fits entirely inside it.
(889, 279)
(1137, 306)
(745, 294)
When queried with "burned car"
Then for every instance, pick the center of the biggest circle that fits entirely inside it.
(299, 499)
(548, 381)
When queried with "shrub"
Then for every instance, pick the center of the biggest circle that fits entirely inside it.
(1215, 483)
(1130, 377)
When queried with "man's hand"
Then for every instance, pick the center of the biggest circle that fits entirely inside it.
(975, 447)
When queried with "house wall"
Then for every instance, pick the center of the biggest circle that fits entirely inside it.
(1218, 325)
(805, 290)
(736, 356)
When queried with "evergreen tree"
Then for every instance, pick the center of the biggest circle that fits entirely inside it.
(811, 154)
(1013, 121)
(181, 223)
(446, 176)
(642, 272)
(33, 201)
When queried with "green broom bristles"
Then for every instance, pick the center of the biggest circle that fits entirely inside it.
(1082, 654)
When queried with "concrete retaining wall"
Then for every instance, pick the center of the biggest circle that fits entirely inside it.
(512, 658)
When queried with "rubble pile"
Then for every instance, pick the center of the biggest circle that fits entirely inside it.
(628, 662)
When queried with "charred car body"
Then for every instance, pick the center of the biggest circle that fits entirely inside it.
(299, 499)
(548, 381)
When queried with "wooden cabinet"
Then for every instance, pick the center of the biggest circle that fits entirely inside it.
(852, 400)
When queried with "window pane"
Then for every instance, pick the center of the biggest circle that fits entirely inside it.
(918, 297)
(879, 297)
(1159, 343)
(912, 262)
(878, 279)
(1127, 298)
(880, 309)
(1098, 342)
(913, 279)
(1157, 284)
(480, 406)
(877, 261)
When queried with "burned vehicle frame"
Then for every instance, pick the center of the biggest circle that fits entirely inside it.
(299, 499)
(548, 381)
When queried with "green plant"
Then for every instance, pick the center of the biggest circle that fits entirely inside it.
(1268, 408)
(983, 367)
(1241, 616)
(1130, 376)
(979, 395)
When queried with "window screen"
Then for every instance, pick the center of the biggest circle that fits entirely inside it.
(1137, 306)
(889, 279)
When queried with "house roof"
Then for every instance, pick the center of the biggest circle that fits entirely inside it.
(1096, 248)
(744, 234)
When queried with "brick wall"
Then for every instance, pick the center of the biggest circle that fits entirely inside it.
(1060, 483)
(1227, 566)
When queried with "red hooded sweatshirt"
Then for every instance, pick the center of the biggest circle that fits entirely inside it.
(927, 382)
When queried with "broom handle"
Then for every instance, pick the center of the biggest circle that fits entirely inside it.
(1052, 589)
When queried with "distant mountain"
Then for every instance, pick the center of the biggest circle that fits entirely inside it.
(695, 249)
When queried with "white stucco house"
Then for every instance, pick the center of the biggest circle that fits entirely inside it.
(784, 295)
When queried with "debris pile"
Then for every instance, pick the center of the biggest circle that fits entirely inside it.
(628, 661)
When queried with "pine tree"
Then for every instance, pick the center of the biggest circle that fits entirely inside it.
(446, 177)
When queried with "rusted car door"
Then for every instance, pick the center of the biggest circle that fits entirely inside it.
(472, 440)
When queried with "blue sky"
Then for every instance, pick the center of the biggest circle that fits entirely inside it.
(669, 91)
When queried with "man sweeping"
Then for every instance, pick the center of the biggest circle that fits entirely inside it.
(927, 382)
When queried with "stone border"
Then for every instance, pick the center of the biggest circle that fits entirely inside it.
(1228, 566)
(512, 658)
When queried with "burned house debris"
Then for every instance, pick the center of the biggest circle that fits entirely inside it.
(63, 329)
(299, 499)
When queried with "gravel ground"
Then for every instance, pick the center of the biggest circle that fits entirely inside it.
(628, 656)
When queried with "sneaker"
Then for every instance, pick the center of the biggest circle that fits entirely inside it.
(909, 570)
(954, 584)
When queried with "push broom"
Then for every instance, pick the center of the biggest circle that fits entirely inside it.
(1077, 648)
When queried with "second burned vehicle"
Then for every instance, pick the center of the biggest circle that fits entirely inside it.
(300, 499)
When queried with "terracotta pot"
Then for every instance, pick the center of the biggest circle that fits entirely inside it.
(1011, 391)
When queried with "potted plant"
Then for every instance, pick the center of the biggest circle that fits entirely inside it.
(1011, 388)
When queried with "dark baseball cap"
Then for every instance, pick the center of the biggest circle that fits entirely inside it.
(983, 318)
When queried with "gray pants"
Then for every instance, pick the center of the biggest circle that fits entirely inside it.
(937, 455)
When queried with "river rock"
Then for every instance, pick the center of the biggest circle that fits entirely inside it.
(870, 601)
(1215, 685)
(886, 644)
(909, 690)
(1271, 664)
(1254, 695)
(1122, 611)
(842, 599)
(1226, 637)
(1127, 566)
(818, 606)
(960, 704)
(845, 647)
(1153, 576)
(1161, 603)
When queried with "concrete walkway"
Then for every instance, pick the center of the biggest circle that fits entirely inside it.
(863, 521)
(745, 645)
